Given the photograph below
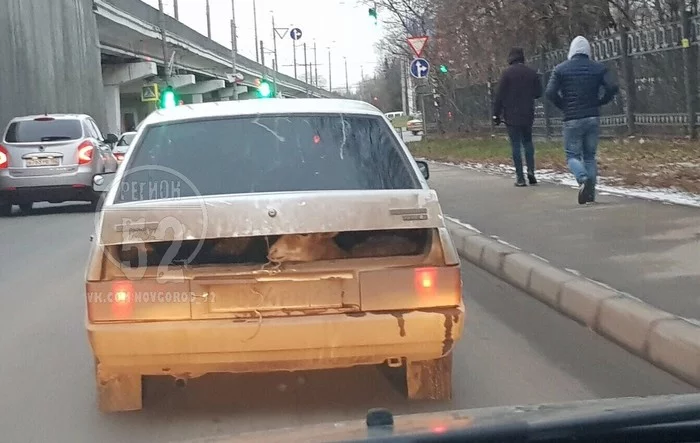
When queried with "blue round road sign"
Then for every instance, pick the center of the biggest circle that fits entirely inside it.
(420, 68)
(295, 33)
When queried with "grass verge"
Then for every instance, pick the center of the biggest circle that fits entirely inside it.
(632, 162)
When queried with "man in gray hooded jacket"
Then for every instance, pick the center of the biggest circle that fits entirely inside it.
(574, 87)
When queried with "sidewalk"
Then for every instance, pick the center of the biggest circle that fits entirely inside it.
(648, 249)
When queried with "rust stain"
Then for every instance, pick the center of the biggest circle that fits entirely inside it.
(402, 323)
(448, 342)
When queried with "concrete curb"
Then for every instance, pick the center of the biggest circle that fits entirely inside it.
(665, 340)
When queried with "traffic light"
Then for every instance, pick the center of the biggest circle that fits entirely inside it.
(373, 14)
(443, 69)
(168, 98)
(265, 89)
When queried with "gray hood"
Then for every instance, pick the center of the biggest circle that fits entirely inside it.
(580, 46)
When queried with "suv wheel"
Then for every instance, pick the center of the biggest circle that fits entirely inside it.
(5, 209)
(26, 207)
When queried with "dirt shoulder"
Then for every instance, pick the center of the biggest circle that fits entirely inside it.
(628, 162)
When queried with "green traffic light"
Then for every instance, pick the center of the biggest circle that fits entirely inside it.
(168, 99)
(443, 69)
(265, 90)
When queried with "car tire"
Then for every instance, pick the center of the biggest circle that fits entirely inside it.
(430, 379)
(5, 209)
(26, 207)
(118, 392)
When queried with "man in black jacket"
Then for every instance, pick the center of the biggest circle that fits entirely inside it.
(574, 87)
(517, 91)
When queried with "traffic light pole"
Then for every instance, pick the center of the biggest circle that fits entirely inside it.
(161, 19)
(274, 47)
(234, 49)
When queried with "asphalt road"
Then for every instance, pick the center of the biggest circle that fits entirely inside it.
(515, 351)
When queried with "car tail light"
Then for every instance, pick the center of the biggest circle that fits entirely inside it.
(410, 288)
(85, 151)
(4, 158)
(119, 157)
(137, 300)
(425, 281)
(122, 299)
(44, 119)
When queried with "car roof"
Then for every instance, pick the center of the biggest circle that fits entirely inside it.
(54, 116)
(261, 106)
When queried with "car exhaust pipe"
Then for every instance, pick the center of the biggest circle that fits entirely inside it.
(181, 382)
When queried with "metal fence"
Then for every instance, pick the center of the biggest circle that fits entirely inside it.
(657, 69)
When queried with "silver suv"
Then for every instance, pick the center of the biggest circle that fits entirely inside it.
(52, 158)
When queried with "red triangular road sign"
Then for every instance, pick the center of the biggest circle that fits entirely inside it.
(417, 44)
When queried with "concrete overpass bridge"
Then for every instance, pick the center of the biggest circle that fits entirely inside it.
(200, 69)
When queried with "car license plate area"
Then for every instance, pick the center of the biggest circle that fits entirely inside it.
(46, 161)
(288, 295)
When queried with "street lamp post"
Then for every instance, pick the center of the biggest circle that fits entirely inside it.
(208, 9)
(255, 27)
(315, 66)
(330, 70)
(274, 47)
(234, 48)
(347, 85)
(161, 19)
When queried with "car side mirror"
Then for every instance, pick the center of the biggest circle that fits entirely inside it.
(423, 166)
(111, 139)
(102, 182)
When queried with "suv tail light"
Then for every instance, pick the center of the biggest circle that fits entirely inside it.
(85, 151)
(4, 158)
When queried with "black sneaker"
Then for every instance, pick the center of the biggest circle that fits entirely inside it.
(531, 178)
(520, 183)
(585, 190)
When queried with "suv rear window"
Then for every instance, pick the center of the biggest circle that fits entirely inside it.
(33, 131)
(255, 154)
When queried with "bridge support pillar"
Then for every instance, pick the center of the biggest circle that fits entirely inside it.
(113, 77)
(113, 108)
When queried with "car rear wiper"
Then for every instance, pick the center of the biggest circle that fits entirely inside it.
(53, 138)
(658, 424)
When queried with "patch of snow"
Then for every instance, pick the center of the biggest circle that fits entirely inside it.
(503, 242)
(607, 185)
(541, 258)
(466, 225)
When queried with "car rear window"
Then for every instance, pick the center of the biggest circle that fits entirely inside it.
(31, 131)
(268, 154)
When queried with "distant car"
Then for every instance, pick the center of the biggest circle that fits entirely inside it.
(52, 158)
(271, 235)
(122, 146)
(415, 126)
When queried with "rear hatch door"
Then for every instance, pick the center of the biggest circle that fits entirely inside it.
(43, 146)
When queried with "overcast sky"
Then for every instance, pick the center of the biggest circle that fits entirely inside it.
(344, 25)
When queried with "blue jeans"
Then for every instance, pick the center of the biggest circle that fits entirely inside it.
(521, 136)
(581, 144)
